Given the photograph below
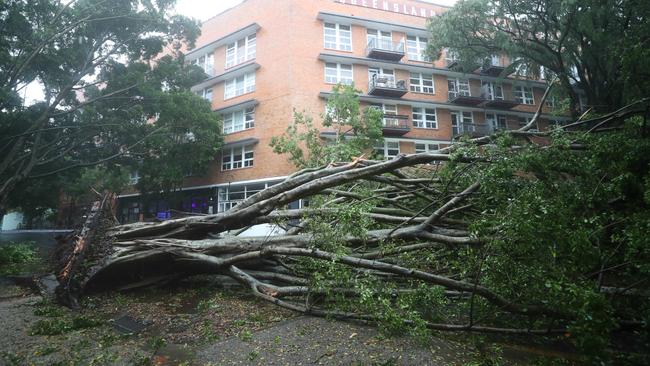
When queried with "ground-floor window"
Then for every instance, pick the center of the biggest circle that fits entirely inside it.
(425, 147)
(387, 149)
(231, 195)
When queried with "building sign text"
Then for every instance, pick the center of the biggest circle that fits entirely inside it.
(391, 6)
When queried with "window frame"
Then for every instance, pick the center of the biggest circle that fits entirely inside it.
(237, 88)
(424, 121)
(206, 62)
(520, 93)
(419, 87)
(461, 121)
(246, 124)
(384, 149)
(387, 111)
(457, 82)
(339, 73)
(497, 121)
(380, 39)
(491, 88)
(232, 153)
(237, 55)
(224, 194)
(207, 94)
(426, 147)
(339, 35)
(418, 45)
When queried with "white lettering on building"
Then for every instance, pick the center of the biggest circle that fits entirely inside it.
(391, 6)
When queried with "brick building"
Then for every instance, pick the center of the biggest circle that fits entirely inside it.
(266, 58)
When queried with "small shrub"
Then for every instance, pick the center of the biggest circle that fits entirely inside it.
(14, 256)
(246, 335)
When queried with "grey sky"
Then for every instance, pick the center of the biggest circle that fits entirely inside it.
(204, 9)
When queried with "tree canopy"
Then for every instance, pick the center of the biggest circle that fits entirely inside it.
(598, 47)
(115, 90)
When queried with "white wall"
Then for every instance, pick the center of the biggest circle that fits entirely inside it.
(12, 220)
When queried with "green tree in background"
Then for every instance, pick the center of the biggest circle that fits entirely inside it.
(109, 98)
(584, 44)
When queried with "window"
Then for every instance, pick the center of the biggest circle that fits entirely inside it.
(424, 147)
(496, 121)
(424, 118)
(239, 85)
(523, 121)
(387, 149)
(523, 94)
(544, 73)
(134, 178)
(206, 94)
(239, 120)
(389, 111)
(338, 73)
(241, 51)
(237, 157)
(491, 90)
(521, 67)
(381, 77)
(494, 60)
(229, 196)
(550, 102)
(461, 122)
(416, 47)
(458, 87)
(338, 37)
(421, 83)
(380, 40)
(450, 56)
(206, 63)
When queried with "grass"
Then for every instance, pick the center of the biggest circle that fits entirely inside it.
(11, 359)
(48, 310)
(61, 326)
(157, 343)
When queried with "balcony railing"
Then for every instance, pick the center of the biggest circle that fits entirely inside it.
(463, 98)
(387, 86)
(451, 63)
(493, 67)
(395, 124)
(492, 100)
(385, 49)
(473, 130)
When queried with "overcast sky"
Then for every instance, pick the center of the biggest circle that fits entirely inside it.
(204, 9)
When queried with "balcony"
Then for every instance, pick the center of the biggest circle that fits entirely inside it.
(452, 64)
(473, 130)
(395, 124)
(384, 49)
(386, 86)
(500, 103)
(493, 67)
(494, 98)
(464, 99)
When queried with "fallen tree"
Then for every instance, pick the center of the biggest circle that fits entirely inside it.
(517, 233)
